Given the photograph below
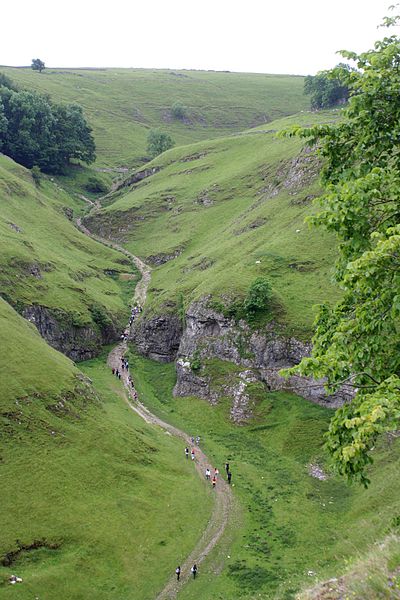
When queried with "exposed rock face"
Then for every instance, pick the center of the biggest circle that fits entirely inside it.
(158, 337)
(208, 334)
(78, 343)
(137, 177)
(259, 356)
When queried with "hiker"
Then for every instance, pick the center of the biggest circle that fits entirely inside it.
(214, 482)
(192, 453)
(192, 440)
(227, 467)
(198, 440)
(208, 474)
(216, 472)
(113, 371)
(178, 573)
(229, 477)
(194, 571)
(116, 372)
(187, 452)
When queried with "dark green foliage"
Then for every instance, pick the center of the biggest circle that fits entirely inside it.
(96, 185)
(358, 340)
(37, 65)
(179, 111)
(36, 132)
(100, 316)
(325, 90)
(158, 142)
(258, 296)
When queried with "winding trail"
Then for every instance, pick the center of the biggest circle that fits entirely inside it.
(223, 493)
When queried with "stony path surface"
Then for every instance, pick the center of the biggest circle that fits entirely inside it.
(223, 494)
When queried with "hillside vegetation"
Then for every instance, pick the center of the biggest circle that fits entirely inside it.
(45, 260)
(122, 105)
(84, 480)
(296, 528)
(217, 214)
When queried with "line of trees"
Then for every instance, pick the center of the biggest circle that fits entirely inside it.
(34, 131)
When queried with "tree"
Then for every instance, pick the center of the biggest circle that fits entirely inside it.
(179, 111)
(158, 142)
(258, 296)
(325, 90)
(37, 65)
(358, 340)
(35, 132)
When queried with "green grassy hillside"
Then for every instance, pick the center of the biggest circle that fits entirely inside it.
(46, 260)
(222, 212)
(296, 528)
(123, 104)
(84, 481)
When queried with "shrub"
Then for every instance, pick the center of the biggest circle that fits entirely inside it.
(179, 111)
(158, 142)
(96, 185)
(258, 296)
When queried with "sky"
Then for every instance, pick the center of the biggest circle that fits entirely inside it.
(263, 36)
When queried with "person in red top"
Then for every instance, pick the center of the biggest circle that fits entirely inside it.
(214, 481)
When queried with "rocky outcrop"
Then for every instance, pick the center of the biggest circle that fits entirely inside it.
(76, 342)
(137, 177)
(157, 337)
(261, 354)
(258, 355)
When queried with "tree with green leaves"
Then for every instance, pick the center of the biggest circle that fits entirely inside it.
(37, 65)
(358, 341)
(158, 142)
(33, 131)
(325, 90)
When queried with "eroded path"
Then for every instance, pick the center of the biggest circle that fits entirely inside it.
(223, 494)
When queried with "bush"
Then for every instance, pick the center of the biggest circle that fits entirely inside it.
(100, 316)
(258, 296)
(96, 185)
(179, 111)
(158, 142)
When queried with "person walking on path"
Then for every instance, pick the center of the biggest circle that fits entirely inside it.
(229, 477)
(178, 572)
(198, 440)
(227, 467)
(192, 453)
(187, 452)
(208, 474)
(216, 472)
(194, 571)
(214, 482)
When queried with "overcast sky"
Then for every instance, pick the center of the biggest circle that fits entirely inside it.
(266, 36)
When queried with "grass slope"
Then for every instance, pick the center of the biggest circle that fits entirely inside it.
(94, 503)
(293, 524)
(223, 212)
(123, 104)
(45, 260)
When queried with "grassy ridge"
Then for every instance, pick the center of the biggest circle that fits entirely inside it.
(45, 260)
(123, 104)
(293, 523)
(110, 499)
(226, 211)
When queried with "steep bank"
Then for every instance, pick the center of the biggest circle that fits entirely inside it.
(70, 287)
